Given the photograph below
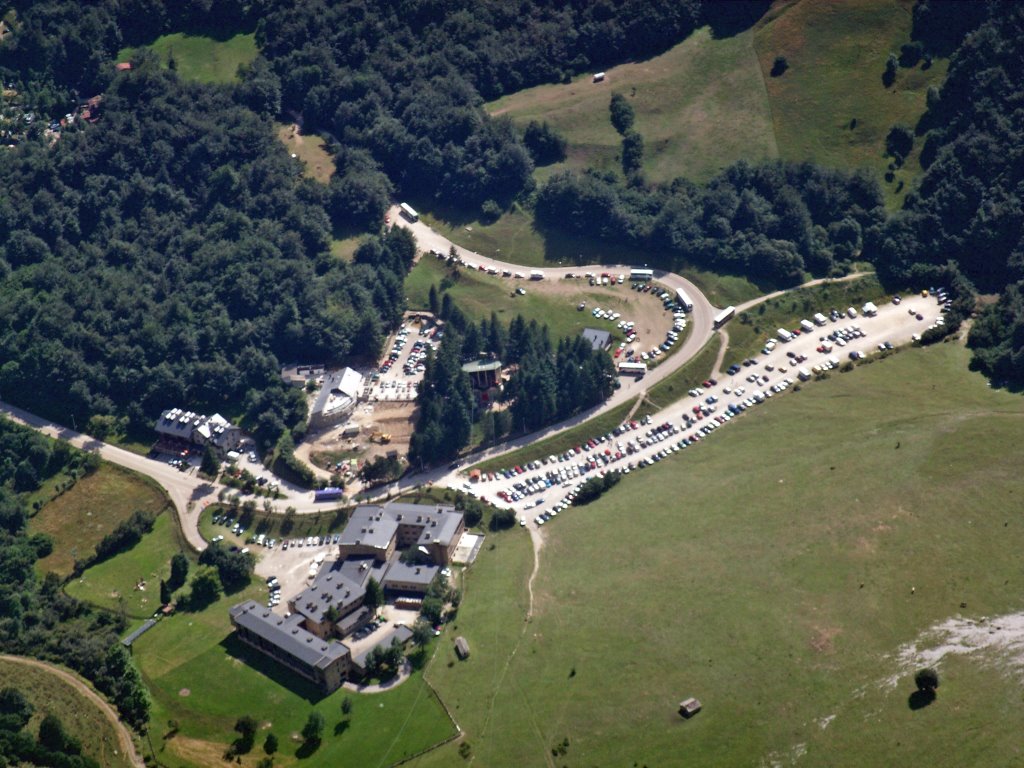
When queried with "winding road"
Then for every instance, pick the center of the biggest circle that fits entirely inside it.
(190, 494)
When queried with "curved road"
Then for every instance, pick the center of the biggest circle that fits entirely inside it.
(124, 737)
(190, 494)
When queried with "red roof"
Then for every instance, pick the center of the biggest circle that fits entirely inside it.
(123, 66)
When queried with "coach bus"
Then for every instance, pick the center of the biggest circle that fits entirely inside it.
(408, 212)
(724, 316)
(641, 274)
(633, 369)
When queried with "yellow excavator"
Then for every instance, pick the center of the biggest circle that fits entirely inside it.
(380, 437)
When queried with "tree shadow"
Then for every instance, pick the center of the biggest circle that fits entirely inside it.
(920, 699)
(733, 17)
(307, 749)
(342, 726)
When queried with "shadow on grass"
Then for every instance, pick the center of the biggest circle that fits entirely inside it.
(920, 699)
(269, 668)
(307, 749)
(341, 726)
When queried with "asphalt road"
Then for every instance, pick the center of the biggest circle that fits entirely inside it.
(190, 494)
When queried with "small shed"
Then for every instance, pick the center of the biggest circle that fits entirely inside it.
(461, 648)
(689, 707)
(474, 475)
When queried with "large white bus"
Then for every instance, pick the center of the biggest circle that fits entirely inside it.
(409, 213)
(641, 274)
(683, 300)
(633, 369)
(724, 316)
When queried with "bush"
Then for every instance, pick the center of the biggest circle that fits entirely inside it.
(779, 66)
(502, 519)
(926, 679)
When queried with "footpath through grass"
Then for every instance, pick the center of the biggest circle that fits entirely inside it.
(48, 693)
(201, 58)
(774, 572)
(749, 330)
(94, 507)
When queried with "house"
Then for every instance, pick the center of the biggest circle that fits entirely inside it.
(598, 339)
(689, 707)
(299, 375)
(178, 429)
(338, 396)
(461, 648)
(325, 663)
(483, 374)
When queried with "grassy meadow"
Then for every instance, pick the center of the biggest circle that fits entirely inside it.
(831, 106)
(94, 507)
(553, 302)
(310, 150)
(774, 572)
(81, 717)
(201, 58)
(683, 101)
(112, 584)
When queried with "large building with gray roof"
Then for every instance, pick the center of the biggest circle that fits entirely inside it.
(331, 608)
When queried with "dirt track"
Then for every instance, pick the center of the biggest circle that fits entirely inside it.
(123, 734)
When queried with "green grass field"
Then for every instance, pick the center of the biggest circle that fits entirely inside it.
(201, 677)
(836, 53)
(112, 583)
(774, 573)
(200, 58)
(683, 99)
(311, 150)
(49, 693)
(749, 330)
(97, 504)
(549, 301)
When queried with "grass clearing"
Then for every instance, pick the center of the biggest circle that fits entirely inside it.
(112, 584)
(311, 150)
(793, 541)
(94, 507)
(837, 53)
(682, 100)
(224, 679)
(749, 330)
(202, 58)
(81, 717)
(547, 301)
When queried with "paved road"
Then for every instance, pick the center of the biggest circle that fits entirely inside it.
(893, 324)
(191, 494)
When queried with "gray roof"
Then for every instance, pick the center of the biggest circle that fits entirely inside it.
(598, 339)
(358, 570)
(408, 511)
(287, 634)
(330, 589)
(369, 527)
(147, 625)
(478, 366)
(410, 574)
(441, 529)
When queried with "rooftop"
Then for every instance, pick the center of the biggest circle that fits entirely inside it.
(328, 589)
(340, 390)
(369, 527)
(477, 366)
(287, 634)
(598, 339)
(410, 574)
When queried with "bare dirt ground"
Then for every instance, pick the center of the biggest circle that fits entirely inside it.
(310, 150)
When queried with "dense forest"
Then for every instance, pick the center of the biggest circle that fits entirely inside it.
(171, 254)
(772, 222)
(965, 221)
(37, 618)
(549, 382)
